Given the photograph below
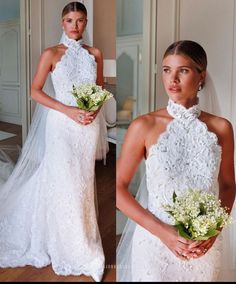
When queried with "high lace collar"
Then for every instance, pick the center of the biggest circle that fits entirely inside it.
(179, 111)
(71, 43)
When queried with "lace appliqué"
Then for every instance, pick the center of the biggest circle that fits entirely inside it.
(75, 67)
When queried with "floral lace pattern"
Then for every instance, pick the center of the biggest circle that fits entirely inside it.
(52, 218)
(186, 156)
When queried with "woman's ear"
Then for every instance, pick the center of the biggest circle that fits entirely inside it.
(203, 75)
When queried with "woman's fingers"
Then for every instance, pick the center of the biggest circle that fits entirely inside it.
(195, 244)
(188, 249)
(180, 255)
(85, 117)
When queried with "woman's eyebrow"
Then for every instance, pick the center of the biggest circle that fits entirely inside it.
(182, 66)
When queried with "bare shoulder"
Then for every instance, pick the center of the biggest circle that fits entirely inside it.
(221, 126)
(54, 50)
(94, 51)
(144, 123)
(53, 54)
(49, 52)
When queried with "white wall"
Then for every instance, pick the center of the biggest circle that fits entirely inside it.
(129, 17)
(9, 10)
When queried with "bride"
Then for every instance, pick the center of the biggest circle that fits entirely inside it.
(47, 212)
(184, 147)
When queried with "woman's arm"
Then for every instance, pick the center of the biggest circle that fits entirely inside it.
(44, 67)
(99, 59)
(227, 187)
(100, 79)
(132, 153)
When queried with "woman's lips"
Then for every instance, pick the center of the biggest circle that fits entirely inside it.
(174, 89)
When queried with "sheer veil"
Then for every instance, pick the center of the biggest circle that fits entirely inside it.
(208, 102)
(34, 147)
(124, 250)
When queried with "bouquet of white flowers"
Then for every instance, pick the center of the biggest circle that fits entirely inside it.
(90, 97)
(198, 214)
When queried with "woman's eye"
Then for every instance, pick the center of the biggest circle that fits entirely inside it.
(184, 71)
(166, 70)
(68, 21)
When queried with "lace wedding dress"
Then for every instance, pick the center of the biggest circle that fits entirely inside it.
(51, 218)
(186, 156)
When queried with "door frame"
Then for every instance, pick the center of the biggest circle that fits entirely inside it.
(25, 66)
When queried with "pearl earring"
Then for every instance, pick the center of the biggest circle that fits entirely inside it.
(200, 86)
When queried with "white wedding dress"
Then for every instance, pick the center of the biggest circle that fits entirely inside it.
(185, 156)
(51, 218)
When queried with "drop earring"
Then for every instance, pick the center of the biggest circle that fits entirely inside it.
(200, 87)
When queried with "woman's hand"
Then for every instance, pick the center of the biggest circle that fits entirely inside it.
(182, 248)
(204, 246)
(80, 116)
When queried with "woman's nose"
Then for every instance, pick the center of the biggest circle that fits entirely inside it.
(174, 78)
(75, 25)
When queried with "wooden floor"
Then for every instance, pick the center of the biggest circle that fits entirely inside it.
(105, 178)
(12, 128)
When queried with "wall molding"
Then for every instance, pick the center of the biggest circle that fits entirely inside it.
(129, 40)
(176, 27)
(10, 92)
(10, 23)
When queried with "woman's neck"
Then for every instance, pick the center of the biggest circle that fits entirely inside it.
(187, 103)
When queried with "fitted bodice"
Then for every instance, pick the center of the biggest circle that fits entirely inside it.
(186, 155)
(75, 67)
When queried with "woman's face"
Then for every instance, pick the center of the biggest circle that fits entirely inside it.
(181, 78)
(74, 24)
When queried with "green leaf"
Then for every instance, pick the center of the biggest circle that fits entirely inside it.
(219, 223)
(80, 104)
(212, 232)
(202, 209)
(182, 231)
(94, 108)
(174, 196)
(201, 238)
(171, 213)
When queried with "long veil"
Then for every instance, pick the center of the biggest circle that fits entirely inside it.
(34, 147)
(208, 102)
(124, 249)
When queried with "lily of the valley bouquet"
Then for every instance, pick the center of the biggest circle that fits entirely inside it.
(198, 214)
(90, 97)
